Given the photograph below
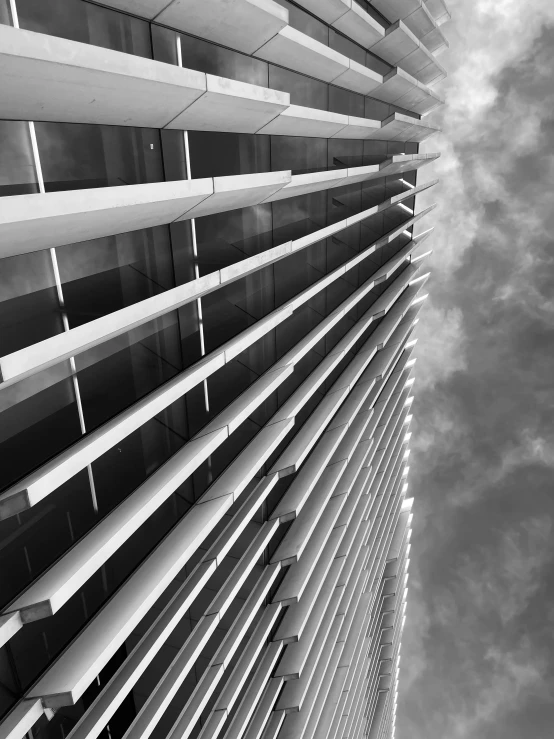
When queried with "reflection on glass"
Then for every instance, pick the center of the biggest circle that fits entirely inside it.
(107, 274)
(216, 154)
(90, 24)
(303, 90)
(5, 14)
(207, 57)
(17, 168)
(81, 155)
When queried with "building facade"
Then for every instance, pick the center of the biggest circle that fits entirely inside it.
(211, 268)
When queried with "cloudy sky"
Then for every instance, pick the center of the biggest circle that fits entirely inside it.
(478, 648)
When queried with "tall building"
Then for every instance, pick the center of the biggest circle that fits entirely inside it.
(210, 274)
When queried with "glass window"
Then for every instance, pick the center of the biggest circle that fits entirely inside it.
(90, 24)
(298, 154)
(346, 153)
(29, 307)
(345, 102)
(34, 428)
(218, 154)
(107, 274)
(376, 109)
(81, 155)
(207, 57)
(17, 167)
(303, 90)
(5, 14)
(299, 216)
(118, 372)
(346, 46)
(235, 307)
(376, 64)
(229, 237)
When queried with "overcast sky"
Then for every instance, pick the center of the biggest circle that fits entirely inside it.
(478, 648)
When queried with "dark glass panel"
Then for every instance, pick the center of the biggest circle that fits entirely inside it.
(298, 154)
(207, 57)
(122, 370)
(376, 64)
(345, 102)
(35, 428)
(346, 46)
(216, 154)
(376, 109)
(174, 155)
(299, 216)
(306, 23)
(17, 167)
(91, 24)
(303, 90)
(229, 237)
(29, 306)
(346, 153)
(375, 152)
(81, 155)
(105, 275)
(233, 308)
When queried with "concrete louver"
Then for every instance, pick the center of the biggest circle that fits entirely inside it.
(53, 79)
(401, 48)
(260, 27)
(66, 217)
(43, 481)
(36, 357)
(75, 673)
(418, 18)
(288, 47)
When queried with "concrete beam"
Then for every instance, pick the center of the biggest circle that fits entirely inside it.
(399, 127)
(40, 221)
(400, 47)
(293, 49)
(47, 78)
(43, 220)
(401, 89)
(229, 105)
(359, 78)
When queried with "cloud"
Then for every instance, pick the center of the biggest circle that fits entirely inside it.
(477, 653)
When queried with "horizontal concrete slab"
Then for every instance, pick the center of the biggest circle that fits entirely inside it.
(312, 182)
(358, 78)
(298, 120)
(403, 90)
(47, 78)
(239, 191)
(358, 25)
(399, 127)
(41, 221)
(244, 25)
(400, 47)
(228, 105)
(295, 50)
(359, 128)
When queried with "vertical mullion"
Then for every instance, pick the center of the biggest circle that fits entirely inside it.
(194, 243)
(58, 283)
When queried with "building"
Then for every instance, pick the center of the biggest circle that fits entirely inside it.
(210, 276)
